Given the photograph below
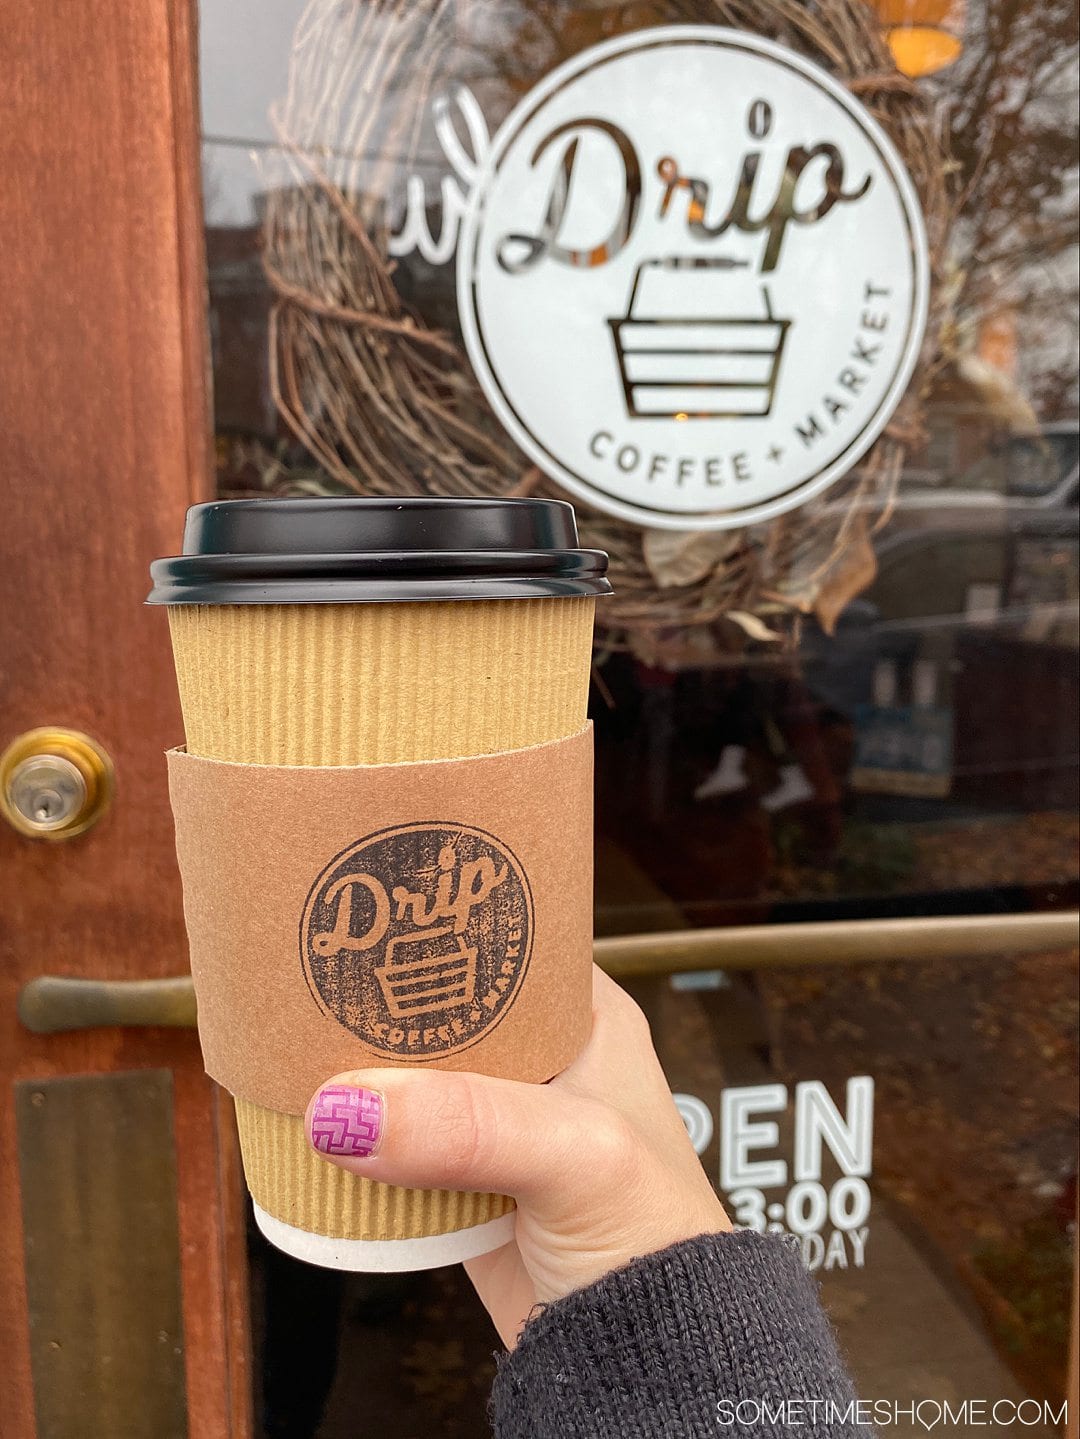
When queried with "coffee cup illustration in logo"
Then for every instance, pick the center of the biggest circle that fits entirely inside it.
(417, 939)
(687, 351)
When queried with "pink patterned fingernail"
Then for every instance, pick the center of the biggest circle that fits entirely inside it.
(347, 1120)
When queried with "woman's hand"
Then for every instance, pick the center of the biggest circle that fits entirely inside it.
(598, 1159)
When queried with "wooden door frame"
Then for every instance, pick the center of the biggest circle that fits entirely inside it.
(106, 426)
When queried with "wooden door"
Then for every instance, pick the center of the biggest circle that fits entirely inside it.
(121, 1270)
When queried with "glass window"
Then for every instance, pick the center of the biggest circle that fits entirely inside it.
(888, 731)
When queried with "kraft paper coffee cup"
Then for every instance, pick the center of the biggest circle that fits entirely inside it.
(353, 632)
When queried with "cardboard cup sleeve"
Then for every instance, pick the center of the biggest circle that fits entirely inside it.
(435, 913)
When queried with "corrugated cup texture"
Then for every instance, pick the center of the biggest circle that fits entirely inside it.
(372, 684)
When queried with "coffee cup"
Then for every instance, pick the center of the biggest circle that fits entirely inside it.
(387, 650)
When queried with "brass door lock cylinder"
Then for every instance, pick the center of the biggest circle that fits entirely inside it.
(54, 783)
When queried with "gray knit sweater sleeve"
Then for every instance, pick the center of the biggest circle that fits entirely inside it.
(670, 1345)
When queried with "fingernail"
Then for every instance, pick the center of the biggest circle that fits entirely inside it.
(347, 1120)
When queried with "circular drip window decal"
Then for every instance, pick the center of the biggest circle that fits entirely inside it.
(693, 277)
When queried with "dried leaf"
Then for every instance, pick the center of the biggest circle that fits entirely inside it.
(756, 628)
(853, 570)
(685, 648)
(1001, 396)
(793, 595)
(682, 557)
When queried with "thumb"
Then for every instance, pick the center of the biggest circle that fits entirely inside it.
(430, 1129)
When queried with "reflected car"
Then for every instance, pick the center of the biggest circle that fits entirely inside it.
(977, 579)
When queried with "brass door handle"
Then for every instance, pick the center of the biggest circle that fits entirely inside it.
(833, 942)
(54, 1003)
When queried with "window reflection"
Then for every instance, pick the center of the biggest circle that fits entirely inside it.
(908, 748)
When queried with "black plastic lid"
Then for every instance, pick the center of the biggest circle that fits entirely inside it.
(333, 551)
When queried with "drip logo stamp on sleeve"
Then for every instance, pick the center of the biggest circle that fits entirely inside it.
(417, 938)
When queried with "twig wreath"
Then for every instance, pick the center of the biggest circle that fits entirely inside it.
(369, 372)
